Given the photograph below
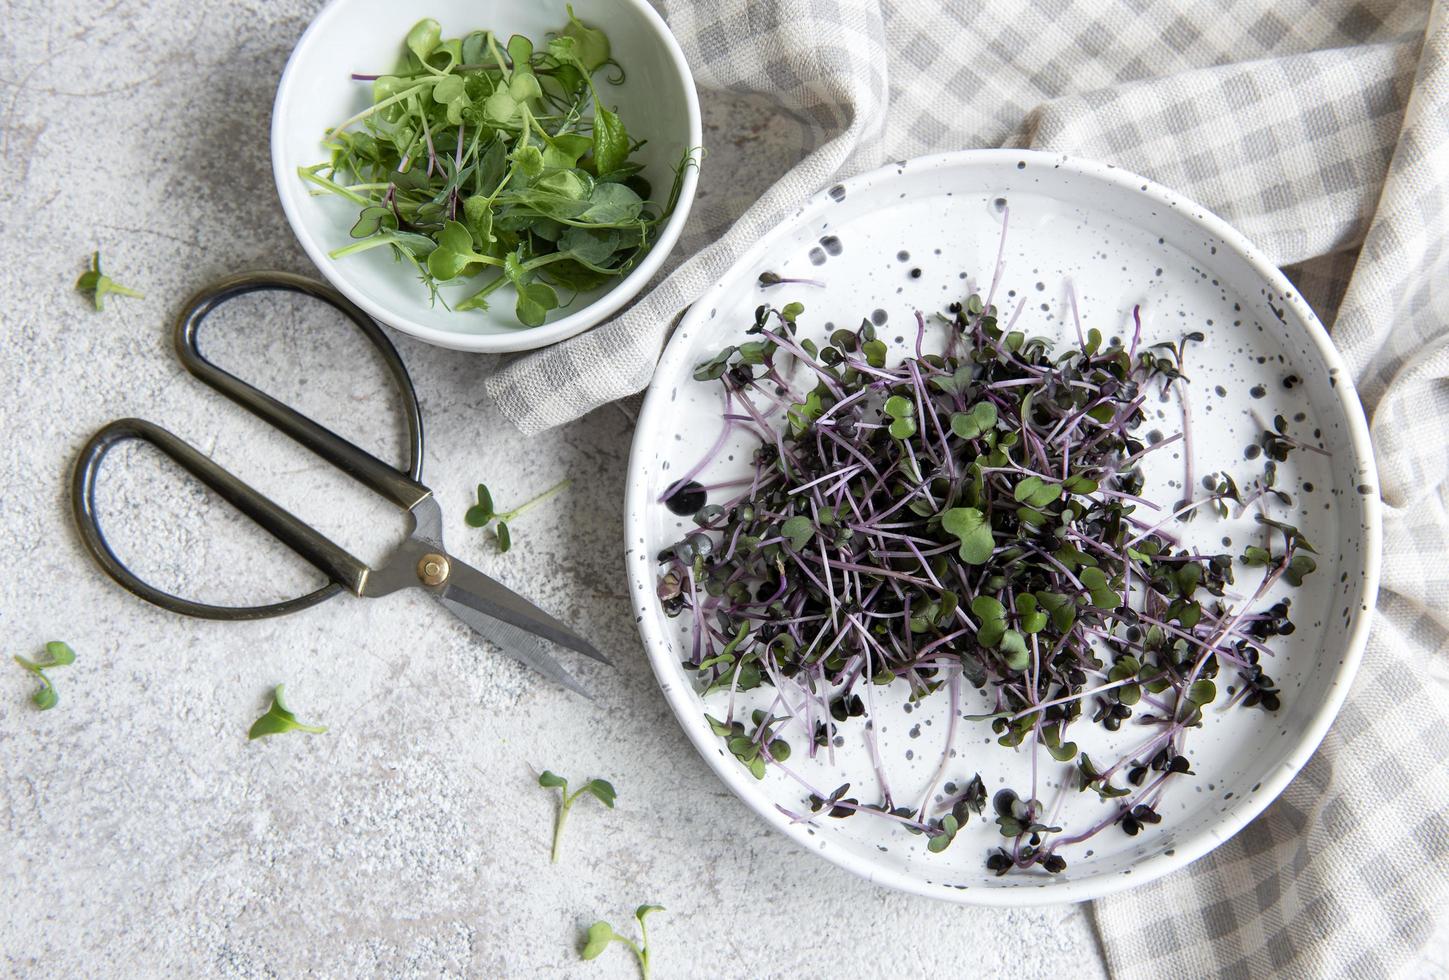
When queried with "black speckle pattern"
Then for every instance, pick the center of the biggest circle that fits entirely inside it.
(687, 500)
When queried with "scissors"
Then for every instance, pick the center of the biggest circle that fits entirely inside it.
(515, 625)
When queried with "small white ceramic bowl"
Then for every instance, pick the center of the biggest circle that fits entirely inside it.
(657, 102)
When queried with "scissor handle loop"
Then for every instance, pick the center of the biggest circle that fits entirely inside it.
(340, 567)
(401, 487)
(344, 570)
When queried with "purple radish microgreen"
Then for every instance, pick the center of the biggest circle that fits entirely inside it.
(973, 515)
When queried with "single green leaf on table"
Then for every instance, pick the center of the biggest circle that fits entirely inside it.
(600, 789)
(482, 512)
(505, 537)
(600, 935)
(603, 791)
(99, 285)
(58, 654)
(279, 719)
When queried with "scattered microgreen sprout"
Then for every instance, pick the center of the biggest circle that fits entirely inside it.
(99, 285)
(57, 654)
(768, 279)
(601, 790)
(970, 516)
(482, 513)
(601, 935)
(500, 158)
(279, 719)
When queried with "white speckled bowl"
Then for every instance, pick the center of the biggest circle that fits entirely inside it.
(1122, 240)
(656, 100)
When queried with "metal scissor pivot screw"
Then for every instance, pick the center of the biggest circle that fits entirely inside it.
(433, 569)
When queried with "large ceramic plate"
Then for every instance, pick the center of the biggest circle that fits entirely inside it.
(1121, 240)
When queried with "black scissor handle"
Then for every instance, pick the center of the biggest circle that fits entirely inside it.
(344, 570)
(402, 488)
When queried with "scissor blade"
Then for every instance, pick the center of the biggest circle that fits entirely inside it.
(526, 648)
(491, 598)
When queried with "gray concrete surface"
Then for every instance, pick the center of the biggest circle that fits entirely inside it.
(143, 835)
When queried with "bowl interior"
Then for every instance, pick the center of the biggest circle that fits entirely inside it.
(656, 99)
(1121, 241)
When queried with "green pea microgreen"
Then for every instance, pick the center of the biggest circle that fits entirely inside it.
(56, 654)
(599, 789)
(482, 513)
(601, 935)
(278, 719)
(498, 163)
(100, 286)
(974, 516)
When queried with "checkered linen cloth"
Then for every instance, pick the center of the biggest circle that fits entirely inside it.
(1320, 128)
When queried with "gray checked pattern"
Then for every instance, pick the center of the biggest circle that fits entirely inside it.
(1321, 129)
